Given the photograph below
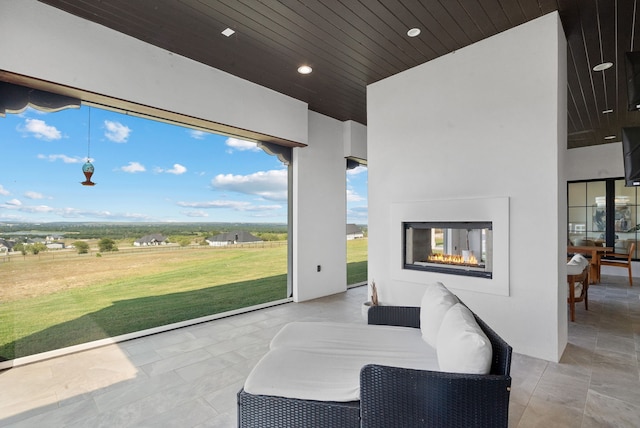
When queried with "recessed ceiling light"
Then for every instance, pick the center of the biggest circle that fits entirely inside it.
(304, 69)
(413, 32)
(610, 137)
(228, 32)
(607, 111)
(602, 67)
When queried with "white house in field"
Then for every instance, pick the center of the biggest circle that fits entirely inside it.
(354, 232)
(6, 245)
(228, 238)
(153, 239)
(55, 245)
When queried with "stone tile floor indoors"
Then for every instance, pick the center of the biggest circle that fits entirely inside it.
(189, 377)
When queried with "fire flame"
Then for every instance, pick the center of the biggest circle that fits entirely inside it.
(452, 259)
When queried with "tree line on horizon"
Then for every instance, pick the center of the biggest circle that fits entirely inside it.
(119, 231)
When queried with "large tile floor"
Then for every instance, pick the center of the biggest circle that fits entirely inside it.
(189, 377)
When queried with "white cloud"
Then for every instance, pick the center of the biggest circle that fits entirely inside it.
(237, 205)
(34, 195)
(3, 191)
(37, 209)
(198, 213)
(116, 132)
(68, 212)
(271, 185)
(63, 158)
(133, 167)
(102, 214)
(198, 135)
(358, 214)
(352, 196)
(15, 204)
(177, 169)
(241, 145)
(234, 205)
(41, 130)
(357, 170)
(263, 207)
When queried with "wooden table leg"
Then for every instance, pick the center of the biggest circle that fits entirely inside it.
(595, 267)
(572, 303)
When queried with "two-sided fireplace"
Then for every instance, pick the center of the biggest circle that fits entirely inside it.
(457, 248)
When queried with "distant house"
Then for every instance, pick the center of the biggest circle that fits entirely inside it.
(53, 242)
(227, 238)
(6, 245)
(55, 245)
(354, 232)
(153, 239)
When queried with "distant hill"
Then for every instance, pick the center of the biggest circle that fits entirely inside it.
(134, 230)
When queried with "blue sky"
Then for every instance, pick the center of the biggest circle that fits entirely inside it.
(144, 171)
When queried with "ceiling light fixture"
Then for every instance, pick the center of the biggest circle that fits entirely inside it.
(228, 32)
(413, 32)
(602, 67)
(304, 69)
(610, 137)
(607, 111)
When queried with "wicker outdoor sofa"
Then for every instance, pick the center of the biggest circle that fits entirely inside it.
(397, 397)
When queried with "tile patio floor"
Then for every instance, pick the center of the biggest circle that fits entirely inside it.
(189, 377)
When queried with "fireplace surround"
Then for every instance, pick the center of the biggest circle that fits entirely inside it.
(488, 221)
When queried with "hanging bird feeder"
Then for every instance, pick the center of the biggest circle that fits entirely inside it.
(87, 168)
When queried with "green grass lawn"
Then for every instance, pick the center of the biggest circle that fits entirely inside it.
(198, 283)
(357, 261)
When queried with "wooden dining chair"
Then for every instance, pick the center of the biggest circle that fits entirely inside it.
(578, 280)
(621, 260)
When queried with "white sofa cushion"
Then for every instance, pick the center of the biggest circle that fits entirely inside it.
(322, 360)
(462, 345)
(347, 336)
(436, 301)
(576, 265)
(577, 290)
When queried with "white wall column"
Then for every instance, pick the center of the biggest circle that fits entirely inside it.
(486, 121)
(319, 213)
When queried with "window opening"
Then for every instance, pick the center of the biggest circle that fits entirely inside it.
(140, 249)
(357, 221)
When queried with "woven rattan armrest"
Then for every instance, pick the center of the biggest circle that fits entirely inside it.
(402, 316)
(397, 397)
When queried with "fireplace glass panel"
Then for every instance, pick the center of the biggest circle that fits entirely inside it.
(457, 248)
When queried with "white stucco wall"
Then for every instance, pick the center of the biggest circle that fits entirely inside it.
(40, 41)
(486, 121)
(355, 140)
(594, 162)
(319, 213)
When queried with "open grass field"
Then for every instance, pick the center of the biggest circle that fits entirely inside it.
(53, 302)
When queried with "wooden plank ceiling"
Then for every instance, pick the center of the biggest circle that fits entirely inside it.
(352, 43)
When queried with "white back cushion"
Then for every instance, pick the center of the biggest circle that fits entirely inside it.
(462, 346)
(579, 260)
(576, 265)
(436, 301)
